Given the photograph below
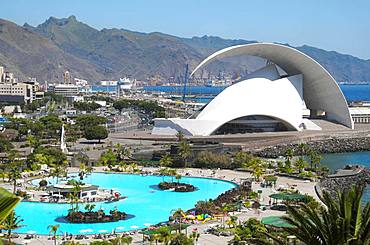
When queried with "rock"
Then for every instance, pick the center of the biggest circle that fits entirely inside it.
(334, 145)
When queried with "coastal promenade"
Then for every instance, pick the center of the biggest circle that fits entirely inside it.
(305, 187)
(258, 141)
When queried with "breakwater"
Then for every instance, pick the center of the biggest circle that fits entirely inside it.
(332, 145)
(343, 180)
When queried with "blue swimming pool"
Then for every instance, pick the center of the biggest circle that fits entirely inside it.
(148, 207)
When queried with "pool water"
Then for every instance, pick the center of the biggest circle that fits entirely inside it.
(146, 205)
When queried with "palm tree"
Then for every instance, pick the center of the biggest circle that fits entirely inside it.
(8, 202)
(258, 168)
(58, 171)
(14, 174)
(133, 167)
(76, 193)
(89, 169)
(315, 158)
(123, 153)
(3, 171)
(342, 221)
(163, 172)
(54, 229)
(126, 240)
(180, 136)
(165, 161)
(194, 236)
(184, 151)
(302, 148)
(89, 207)
(178, 214)
(172, 173)
(300, 164)
(11, 223)
(289, 154)
(178, 177)
(165, 234)
(155, 237)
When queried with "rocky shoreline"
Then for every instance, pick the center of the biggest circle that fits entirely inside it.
(359, 177)
(333, 145)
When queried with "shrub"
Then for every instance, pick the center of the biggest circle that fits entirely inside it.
(207, 159)
(43, 183)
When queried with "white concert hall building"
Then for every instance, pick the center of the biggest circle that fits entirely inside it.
(285, 95)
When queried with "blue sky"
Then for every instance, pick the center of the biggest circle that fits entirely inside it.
(340, 25)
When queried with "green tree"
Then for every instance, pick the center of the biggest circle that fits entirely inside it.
(52, 126)
(96, 133)
(5, 144)
(300, 164)
(13, 175)
(343, 220)
(241, 158)
(166, 161)
(33, 141)
(194, 236)
(121, 104)
(53, 230)
(126, 240)
(123, 153)
(89, 120)
(178, 214)
(108, 158)
(164, 234)
(302, 149)
(315, 158)
(89, 207)
(181, 239)
(289, 153)
(178, 177)
(86, 106)
(43, 183)
(8, 202)
(82, 158)
(11, 222)
(184, 152)
(258, 167)
(288, 166)
(180, 136)
(249, 231)
(58, 171)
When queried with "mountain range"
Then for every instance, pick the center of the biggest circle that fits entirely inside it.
(47, 50)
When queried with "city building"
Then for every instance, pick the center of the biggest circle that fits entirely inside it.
(67, 90)
(276, 97)
(14, 92)
(81, 82)
(108, 83)
(360, 115)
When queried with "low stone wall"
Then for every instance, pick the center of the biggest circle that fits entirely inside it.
(334, 182)
(334, 145)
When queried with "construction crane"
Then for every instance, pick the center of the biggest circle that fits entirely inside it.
(185, 81)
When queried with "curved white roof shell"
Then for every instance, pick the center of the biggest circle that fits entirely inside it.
(266, 93)
(320, 90)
